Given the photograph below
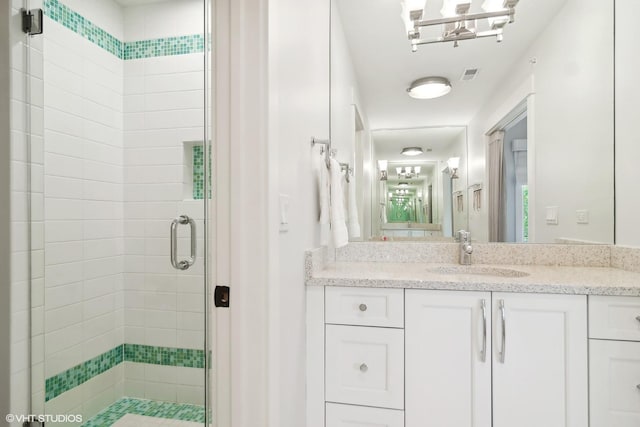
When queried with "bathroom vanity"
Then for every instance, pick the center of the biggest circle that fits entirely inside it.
(399, 343)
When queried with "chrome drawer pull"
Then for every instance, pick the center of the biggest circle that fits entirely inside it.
(638, 386)
(363, 307)
(638, 318)
(503, 318)
(483, 352)
(364, 367)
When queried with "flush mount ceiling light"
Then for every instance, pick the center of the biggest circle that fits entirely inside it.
(457, 23)
(412, 151)
(429, 88)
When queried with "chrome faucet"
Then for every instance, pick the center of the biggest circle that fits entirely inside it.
(464, 237)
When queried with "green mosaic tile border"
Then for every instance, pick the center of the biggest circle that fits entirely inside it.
(73, 377)
(198, 173)
(150, 408)
(168, 356)
(79, 374)
(83, 27)
(168, 46)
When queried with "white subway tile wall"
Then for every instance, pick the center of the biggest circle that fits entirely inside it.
(26, 96)
(114, 178)
(84, 211)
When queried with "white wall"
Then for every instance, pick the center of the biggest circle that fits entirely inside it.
(298, 109)
(572, 123)
(163, 109)
(5, 213)
(83, 178)
(26, 66)
(627, 146)
(347, 109)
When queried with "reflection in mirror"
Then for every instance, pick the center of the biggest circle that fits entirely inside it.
(537, 109)
(417, 196)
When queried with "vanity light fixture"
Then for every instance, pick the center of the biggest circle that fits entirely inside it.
(453, 163)
(457, 23)
(411, 151)
(429, 88)
(408, 172)
(403, 184)
(382, 166)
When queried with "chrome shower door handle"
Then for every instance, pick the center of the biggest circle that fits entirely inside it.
(483, 352)
(184, 264)
(503, 318)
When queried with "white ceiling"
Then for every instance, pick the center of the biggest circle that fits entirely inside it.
(385, 65)
(389, 143)
(125, 3)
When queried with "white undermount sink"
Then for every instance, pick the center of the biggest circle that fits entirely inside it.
(478, 270)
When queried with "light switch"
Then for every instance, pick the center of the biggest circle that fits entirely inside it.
(284, 212)
(552, 215)
(582, 216)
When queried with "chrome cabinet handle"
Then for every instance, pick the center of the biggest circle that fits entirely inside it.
(638, 386)
(363, 307)
(184, 264)
(503, 318)
(638, 318)
(364, 367)
(483, 352)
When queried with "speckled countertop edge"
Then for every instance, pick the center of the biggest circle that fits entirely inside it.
(540, 279)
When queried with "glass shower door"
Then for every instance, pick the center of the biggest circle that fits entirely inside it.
(124, 315)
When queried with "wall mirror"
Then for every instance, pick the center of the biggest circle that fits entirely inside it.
(528, 119)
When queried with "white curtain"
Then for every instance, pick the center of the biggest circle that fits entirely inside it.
(496, 184)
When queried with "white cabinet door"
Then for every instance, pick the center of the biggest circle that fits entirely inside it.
(615, 383)
(362, 416)
(540, 363)
(448, 376)
(365, 366)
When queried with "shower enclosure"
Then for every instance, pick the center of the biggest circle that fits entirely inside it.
(116, 181)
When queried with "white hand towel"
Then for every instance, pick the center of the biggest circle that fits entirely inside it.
(323, 194)
(338, 224)
(354, 221)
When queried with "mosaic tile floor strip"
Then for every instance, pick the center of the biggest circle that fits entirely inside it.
(167, 356)
(167, 46)
(167, 410)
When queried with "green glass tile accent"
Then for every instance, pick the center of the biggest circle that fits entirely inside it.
(83, 27)
(79, 374)
(168, 356)
(73, 377)
(168, 46)
(149, 408)
(198, 173)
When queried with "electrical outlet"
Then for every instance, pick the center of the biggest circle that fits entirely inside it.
(582, 216)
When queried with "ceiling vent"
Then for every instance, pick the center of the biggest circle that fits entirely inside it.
(469, 74)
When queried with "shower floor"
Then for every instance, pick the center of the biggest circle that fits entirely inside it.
(130, 412)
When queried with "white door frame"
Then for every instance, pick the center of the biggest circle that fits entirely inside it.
(240, 216)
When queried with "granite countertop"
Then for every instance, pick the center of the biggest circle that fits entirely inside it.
(538, 279)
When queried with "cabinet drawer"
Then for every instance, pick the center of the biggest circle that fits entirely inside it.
(615, 318)
(365, 306)
(614, 375)
(365, 366)
(359, 416)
